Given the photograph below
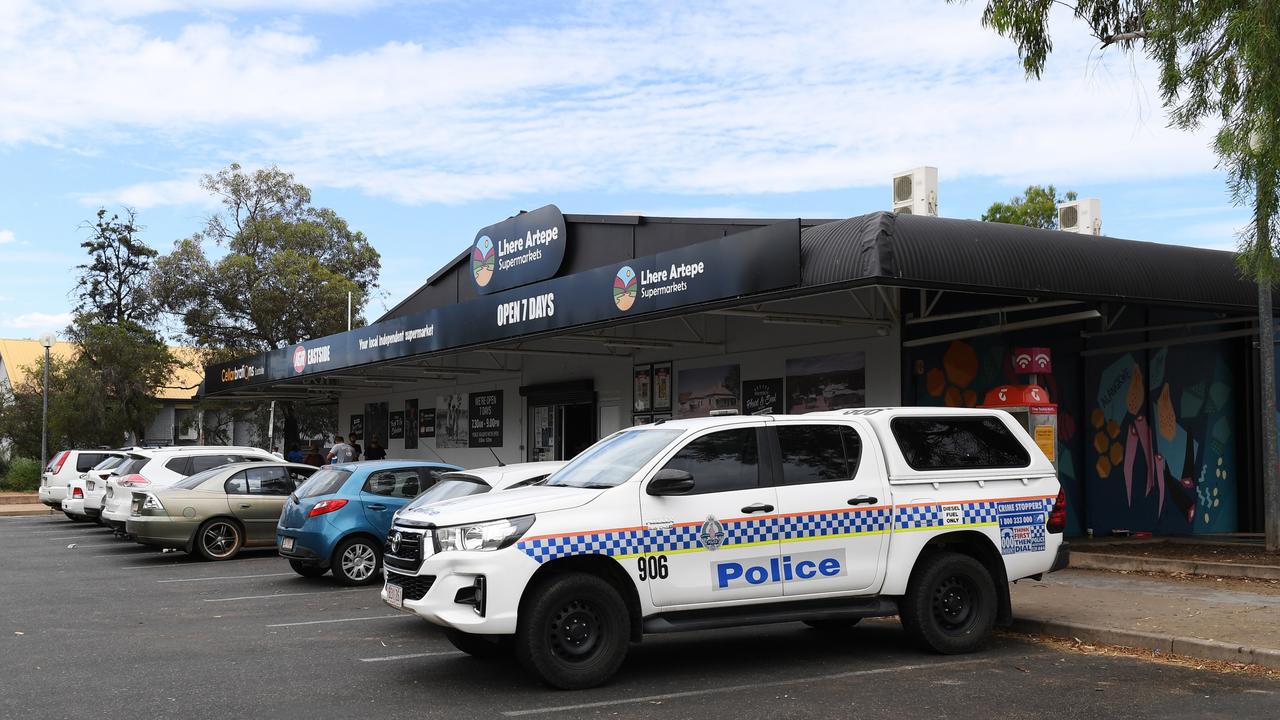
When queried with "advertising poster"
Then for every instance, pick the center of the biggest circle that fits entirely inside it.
(642, 389)
(375, 423)
(427, 423)
(827, 382)
(702, 390)
(762, 397)
(357, 428)
(486, 419)
(396, 425)
(662, 387)
(451, 421)
(411, 424)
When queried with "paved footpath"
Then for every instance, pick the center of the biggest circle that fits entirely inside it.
(1190, 618)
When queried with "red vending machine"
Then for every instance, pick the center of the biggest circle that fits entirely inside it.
(1030, 404)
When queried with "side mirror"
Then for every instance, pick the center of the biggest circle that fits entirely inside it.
(670, 481)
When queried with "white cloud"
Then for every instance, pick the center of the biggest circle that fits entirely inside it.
(151, 194)
(6, 236)
(40, 321)
(735, 98)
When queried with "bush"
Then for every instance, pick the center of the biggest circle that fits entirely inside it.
(23, 476)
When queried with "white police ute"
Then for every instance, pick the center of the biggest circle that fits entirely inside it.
(824, 518)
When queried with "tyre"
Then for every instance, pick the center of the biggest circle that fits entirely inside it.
(832, 625)
(574, 632)
(483, 647)
(219, 539)
(357, 561)
(950, 605)
(307, 571)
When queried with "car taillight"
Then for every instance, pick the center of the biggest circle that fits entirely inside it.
(134, 480)
(1058, 515)
(77, 493)
(58, 461)
(326, 506)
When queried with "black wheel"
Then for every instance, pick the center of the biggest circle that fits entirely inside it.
(574, 633)
(832, 625)
(307, 571)
(950, 605)
(357, 561)
(484, 647)
(219, 539)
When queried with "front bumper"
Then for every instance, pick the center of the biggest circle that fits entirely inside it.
(506, 572)
(1063, 558)
(162, 532)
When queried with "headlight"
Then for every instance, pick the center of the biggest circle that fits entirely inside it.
(151, 502)
(493, 535)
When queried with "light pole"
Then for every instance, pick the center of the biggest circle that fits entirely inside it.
(47, 342)
(348, 311)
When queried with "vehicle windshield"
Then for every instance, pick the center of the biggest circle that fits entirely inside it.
(109, 463)
(613, 460)
(326, 481)
(450, 486)
(191, 482)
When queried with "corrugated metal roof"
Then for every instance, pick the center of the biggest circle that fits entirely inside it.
(917, 251)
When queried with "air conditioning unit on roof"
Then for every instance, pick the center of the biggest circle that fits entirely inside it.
(915, 192)
(1081, 216)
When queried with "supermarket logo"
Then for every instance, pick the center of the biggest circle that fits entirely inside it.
(482, 260)
(624, 288)
(299, 359)
(302, 357)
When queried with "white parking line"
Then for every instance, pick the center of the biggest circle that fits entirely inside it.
(413, 655)
(51, 537)
(222, 577)
(78, 546)
(278, 595)
(340, 620)
(741, 688)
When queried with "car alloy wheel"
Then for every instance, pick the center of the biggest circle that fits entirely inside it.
(359, 561)
(220, 540)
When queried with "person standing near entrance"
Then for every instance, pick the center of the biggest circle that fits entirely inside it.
(340, 452)
(375, 451)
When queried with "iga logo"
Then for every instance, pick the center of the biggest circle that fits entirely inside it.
(299, 359)
(624, 288)
(482, 260)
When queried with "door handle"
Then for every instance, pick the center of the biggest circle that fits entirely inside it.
(863, 500)
(244, 506)
(377, 506)
(758, 507)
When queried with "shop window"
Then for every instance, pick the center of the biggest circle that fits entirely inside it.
(959, 443)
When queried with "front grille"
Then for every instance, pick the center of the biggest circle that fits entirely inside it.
(407, 555)
(415, 588)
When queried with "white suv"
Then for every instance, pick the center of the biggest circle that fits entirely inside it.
(64, 467)
(162, 467)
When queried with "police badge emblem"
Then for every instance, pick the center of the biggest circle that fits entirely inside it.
(713, 533)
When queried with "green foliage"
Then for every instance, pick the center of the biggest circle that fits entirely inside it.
(23, 475)
(1219, 60)
(1037, 207)
(79, 413)
(113, 285)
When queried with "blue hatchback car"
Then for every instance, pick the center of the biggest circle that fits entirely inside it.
(338, 520)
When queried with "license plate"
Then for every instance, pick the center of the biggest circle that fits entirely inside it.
(395, 596)
(287, 544)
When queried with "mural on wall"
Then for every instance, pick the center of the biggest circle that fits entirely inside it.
(1163, 441)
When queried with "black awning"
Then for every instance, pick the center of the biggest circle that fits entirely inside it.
(984, 257)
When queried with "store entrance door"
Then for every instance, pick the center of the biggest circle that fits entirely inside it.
(562, 419)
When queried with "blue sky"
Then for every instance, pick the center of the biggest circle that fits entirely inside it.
(422, 122)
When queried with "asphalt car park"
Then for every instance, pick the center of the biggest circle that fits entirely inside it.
(109, 628)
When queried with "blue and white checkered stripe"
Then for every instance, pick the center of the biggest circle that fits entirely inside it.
(931, 516)
(800, 527)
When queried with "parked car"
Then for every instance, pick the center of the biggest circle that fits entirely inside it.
(216, 512)
(89, 488)
(162, 467)
(337, 521)
(464, 483)
(63, 467)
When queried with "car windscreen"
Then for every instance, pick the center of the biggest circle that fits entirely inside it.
(613, 460)
(109, 463)
(450, 486)
(192, 482)
(326, 481)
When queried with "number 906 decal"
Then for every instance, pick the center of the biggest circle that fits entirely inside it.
(653, 567)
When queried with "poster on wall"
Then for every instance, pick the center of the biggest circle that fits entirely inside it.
(357, 428)
(662, 387)
(411, 424)
(427, 423)
(641, 420)
(375, 423)
(396, 425)
(486, 419)
(827, 382)
(702, 390)
(762, 397)
(451, 421)
(642, 388)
